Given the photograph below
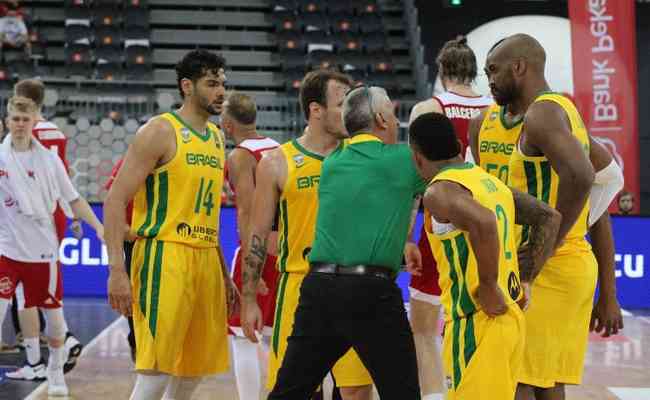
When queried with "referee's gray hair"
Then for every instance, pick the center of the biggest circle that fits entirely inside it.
(357, 115)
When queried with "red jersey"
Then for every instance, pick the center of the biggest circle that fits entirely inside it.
(257, 147)
(52, 138)
(460, 109)
(109, 183)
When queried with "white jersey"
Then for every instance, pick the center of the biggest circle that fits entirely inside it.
(22, 238)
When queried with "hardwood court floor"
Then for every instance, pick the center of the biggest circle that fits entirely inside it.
(616, 369)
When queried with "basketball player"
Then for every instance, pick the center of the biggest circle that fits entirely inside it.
(457, 69)
(288, 178)
(470, 228)
(238, 123)
(550, 160)
(493, 135)
(32, 181)
(174, 168)
(49, 135)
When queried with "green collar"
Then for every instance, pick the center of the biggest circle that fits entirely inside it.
(305, 151)
(205, 137)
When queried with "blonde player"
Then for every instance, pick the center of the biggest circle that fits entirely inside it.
(178, 294)
(472, 238)
(288, 178)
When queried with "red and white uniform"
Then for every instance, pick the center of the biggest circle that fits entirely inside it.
(52, 138)
(29, 247)
(459, 109)
(257, 147)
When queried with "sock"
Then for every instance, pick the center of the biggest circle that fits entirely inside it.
(56, 358)
(149, 387)
(181, 388)
(247, 369)
(433, 396)
(4, 304)
(65, 324)
(33, 350)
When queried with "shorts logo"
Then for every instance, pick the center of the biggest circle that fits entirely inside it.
(493, 115)
(185, 135)
(184, 230)
(305, 253)
(514, 288)
(448, 382)
(6, 285)
(299, 159)
(10, 202)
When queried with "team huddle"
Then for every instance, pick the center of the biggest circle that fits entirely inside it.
(510, 187)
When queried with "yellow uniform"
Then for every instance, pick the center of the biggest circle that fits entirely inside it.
(481, 355)
(497, 139)
(562, 294)
(179, 308)
(298, 210)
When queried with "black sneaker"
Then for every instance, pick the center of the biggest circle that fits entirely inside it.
(72, 350)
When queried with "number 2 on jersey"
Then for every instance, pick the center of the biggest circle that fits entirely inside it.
(204, 198)
(501, 215)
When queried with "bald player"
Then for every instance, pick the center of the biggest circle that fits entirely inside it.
(550, 161)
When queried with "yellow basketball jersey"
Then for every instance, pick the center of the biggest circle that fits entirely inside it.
(181, 200)
(298, 207)
(535, 175)
(453, 251)
(497, 139)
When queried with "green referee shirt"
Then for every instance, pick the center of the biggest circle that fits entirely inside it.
(365, 200)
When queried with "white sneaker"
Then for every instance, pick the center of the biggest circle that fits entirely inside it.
(56, 383)
(72, 351)
(29, 372)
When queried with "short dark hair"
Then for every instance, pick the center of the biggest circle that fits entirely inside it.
(33, 89)
(313, 87)
(241, 108)
(434, 136)
(196, 64)
(456, 61)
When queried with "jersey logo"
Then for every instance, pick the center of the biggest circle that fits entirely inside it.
(6, 285)
(489, 185)
(514, 288)
(496, 147)
(3, 173)
(306, 182)
(299, 159)
(493, 115)
(203, 160)
(305, 253)
(185, 135)
(10, 202)
(184, 230)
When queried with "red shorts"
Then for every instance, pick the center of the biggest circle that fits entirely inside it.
(270, 275)
(42, 286)
(60, 223)
(425, 287)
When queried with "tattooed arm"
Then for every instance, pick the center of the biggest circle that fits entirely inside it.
(544, 224)
(269, 178)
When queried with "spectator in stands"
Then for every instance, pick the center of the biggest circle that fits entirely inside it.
(13, 30)
(625, 202)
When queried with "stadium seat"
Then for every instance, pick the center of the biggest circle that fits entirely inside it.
(77, 30)
(109, 71)
(108, 36)
(321, 59)
(311, 6)
(76, 3)
(286, 21)
(292, 62)
(136, 33)
(340, 6)
(375, 42)
(106, 15)
(109, 54)
(371, 23)
(291, 43)
(138, 59)
(136, 17)
(38, 46)
(115, 4)
(316, 22)
(293, 81)
(6, 77)
(348, 44)
(344, 22)
(364, 7)
(278, 5)
(77, 11)
(77, 59)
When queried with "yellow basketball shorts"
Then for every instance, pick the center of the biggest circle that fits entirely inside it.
(482, 356)
(179, 309)
(348, 371)
(557, 320)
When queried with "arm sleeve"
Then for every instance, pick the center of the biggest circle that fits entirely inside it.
(608, 182)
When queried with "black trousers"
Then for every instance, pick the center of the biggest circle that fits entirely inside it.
(336, 312)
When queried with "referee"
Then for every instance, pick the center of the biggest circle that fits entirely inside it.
(350, 298)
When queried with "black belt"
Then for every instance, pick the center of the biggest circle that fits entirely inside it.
(370, 270)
